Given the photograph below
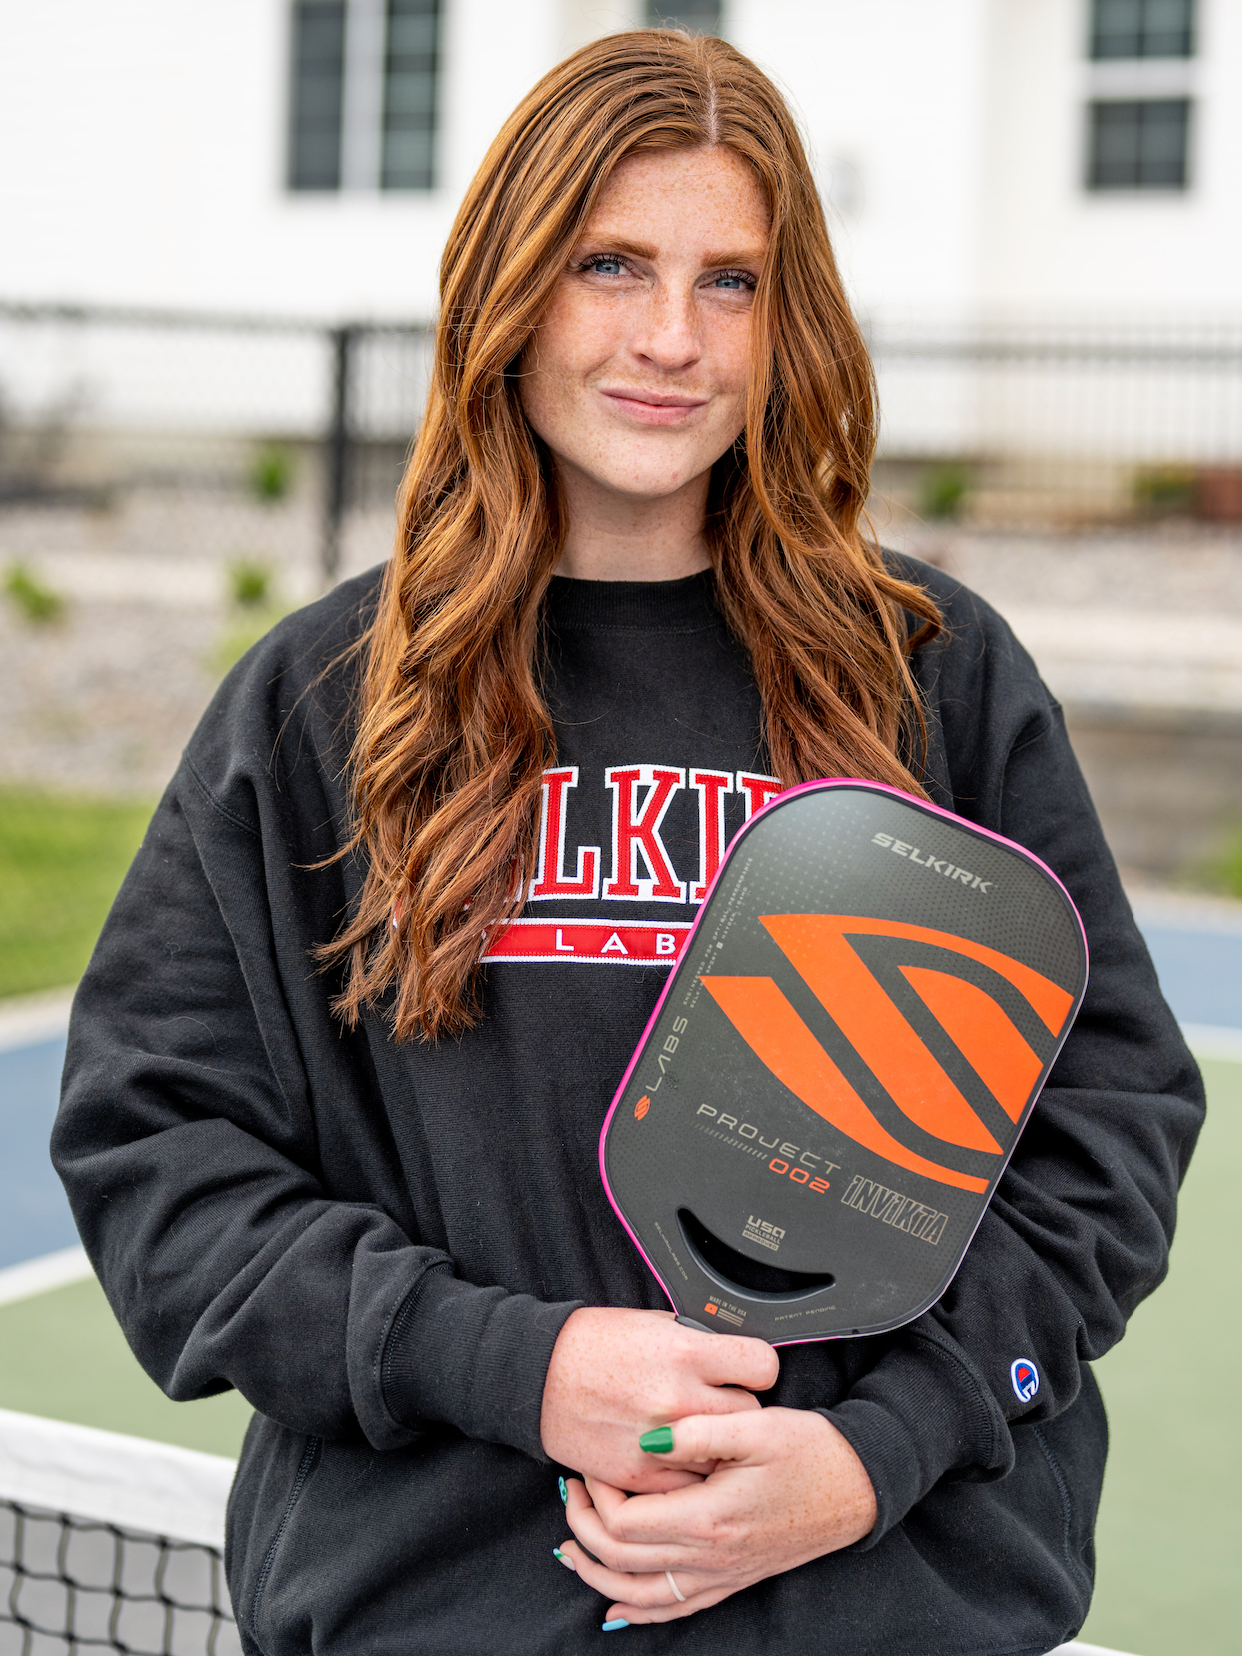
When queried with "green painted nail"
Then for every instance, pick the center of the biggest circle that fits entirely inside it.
(560, 1484)
(659, 1441)
(561, 1558)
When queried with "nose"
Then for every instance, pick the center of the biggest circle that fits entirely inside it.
(668, 335)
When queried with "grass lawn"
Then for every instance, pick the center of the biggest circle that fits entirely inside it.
(62, 858)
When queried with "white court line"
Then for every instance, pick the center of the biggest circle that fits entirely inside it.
(41, 1275)
(1080, 1649)
(1185, 911)
(28, 1019)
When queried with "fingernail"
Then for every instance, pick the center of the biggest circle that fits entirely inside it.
(613, 1626)
(563, 1558)
(659, 1441)
(560, 1484)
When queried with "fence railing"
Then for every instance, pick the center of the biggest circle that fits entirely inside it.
(98, 400)
(1069, 414)
(1040, 415)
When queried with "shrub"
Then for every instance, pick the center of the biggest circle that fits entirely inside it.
(1164, 488)
(942, 490)
(37, 603)
(250, 584)
(271, 474)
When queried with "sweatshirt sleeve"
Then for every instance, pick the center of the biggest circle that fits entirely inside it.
(1078, 1231)
(191, 1141)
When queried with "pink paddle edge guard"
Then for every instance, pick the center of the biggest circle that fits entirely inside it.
(783, 799)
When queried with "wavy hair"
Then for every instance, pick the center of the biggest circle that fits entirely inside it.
(453, 733)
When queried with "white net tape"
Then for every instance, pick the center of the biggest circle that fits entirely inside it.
(110, 1543)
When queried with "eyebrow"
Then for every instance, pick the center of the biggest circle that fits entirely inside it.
(644, 250)
(751, 255)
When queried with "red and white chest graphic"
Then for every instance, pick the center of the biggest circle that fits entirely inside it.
(637, 868)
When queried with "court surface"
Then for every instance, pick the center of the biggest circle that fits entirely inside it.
(1169, 1533)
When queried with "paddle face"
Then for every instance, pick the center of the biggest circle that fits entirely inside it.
(830, 1086)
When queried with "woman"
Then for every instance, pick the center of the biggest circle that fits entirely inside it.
(632, 596)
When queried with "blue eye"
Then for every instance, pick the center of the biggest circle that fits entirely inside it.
(607, 264)
(734, 281)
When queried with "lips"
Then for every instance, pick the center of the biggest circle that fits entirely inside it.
(653, 407)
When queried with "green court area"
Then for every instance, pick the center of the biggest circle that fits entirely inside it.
(62, 1355)
(1169, 1531)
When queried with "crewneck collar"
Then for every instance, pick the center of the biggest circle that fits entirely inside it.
(687, 605)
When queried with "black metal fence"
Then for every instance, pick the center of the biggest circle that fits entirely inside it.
(1004, 418)
(309, 422)
(1055, 416)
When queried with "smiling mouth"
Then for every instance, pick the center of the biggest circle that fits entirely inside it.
(653, 407)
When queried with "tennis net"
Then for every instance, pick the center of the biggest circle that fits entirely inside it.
(110, 1543)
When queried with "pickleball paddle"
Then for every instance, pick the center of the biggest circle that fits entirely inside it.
(838, 1069)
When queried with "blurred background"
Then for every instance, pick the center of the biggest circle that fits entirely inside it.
(221, 236)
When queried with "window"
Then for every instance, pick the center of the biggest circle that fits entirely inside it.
(410, 95)
(363, 95)
(695, 16)
(316, 102)
(1138, 144)
(1142, 29)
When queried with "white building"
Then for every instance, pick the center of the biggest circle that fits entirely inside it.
(1010, 165)
(155, 146)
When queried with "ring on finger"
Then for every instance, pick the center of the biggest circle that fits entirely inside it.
(679, 1596)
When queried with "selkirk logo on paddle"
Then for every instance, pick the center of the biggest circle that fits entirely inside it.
(849, 1046)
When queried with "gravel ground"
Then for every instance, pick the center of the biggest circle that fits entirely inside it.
(104, 699)
(1180, 568)
(1145, 620)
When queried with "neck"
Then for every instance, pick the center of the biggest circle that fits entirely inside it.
(621, 537)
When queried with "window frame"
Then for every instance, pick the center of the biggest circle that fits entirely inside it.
(1097, 186)
(301, 177)
(430, 121)
(343, 114)
(1143, 34)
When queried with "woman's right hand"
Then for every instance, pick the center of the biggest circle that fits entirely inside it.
(615, 1374)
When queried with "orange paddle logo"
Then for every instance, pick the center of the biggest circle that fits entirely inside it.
(819, 947)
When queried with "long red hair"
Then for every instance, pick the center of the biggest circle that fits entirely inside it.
(453, 733)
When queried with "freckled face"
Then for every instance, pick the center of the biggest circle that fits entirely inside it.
(636, 377)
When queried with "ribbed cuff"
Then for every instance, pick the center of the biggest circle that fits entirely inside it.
(920, 1413)
(475, 1358)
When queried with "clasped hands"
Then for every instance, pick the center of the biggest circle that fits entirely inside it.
(741, 1492)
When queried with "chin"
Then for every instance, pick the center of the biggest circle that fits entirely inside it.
(643, 488)
(653, 479)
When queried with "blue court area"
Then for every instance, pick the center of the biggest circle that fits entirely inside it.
(1200, 972)
(1200, 969)
(34, 1215)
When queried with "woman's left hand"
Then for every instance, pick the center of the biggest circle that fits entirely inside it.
(788, 1489)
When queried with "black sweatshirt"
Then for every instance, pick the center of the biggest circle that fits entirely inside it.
(378, 1244)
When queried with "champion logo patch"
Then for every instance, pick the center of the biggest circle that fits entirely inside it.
(1024, 1377)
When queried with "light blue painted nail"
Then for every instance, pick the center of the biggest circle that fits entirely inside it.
(613, 1626)
(560, 1484)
